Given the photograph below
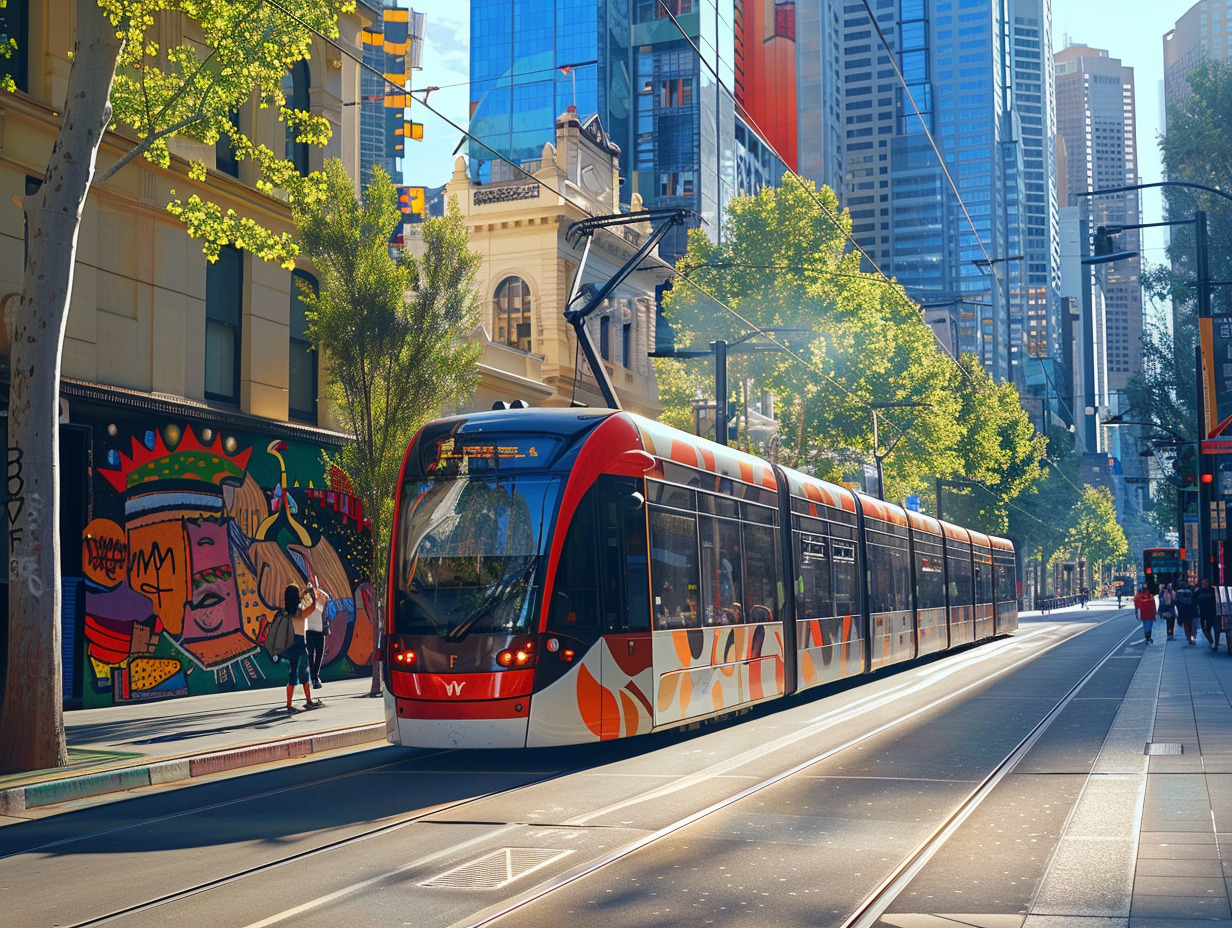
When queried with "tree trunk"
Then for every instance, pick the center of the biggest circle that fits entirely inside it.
(32, 720)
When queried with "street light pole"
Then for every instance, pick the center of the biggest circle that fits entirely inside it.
(878, 456)
(720, 348)
(1203, 294)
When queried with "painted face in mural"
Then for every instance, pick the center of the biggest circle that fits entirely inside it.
(213, 623)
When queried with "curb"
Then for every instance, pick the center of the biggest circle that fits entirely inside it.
(157, 773)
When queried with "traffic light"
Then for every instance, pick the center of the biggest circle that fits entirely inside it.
(1103, 242)
(661, 291)
(1185, 468)
(665, 336)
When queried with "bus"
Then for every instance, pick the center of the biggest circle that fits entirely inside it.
(562, 576)
(1162, 565)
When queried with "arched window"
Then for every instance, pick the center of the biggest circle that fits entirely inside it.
(295, 86)
(302, 399)
(513, 313)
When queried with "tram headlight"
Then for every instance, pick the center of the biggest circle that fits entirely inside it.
(520, 655)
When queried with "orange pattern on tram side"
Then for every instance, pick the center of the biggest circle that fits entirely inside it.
(594, 701)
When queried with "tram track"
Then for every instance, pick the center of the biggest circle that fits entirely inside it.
(884, 895)
(867, 913)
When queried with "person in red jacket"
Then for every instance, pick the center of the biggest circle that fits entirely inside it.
(1144, 603)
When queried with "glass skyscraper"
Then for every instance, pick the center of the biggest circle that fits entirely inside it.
(393, 46)
(957, 65)
(682, 143)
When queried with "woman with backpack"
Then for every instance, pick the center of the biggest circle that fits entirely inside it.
(1167, 608)
(296, 656)
(1186, 610)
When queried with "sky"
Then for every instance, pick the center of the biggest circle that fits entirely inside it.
(446, 61)
(1131, 30)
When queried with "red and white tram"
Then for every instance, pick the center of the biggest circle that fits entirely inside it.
(559, 576)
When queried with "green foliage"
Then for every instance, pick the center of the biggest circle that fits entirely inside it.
(1092, 533)
(1037, 520)
(782, 262)
(226, 54)
(998, 448)
(393, 330)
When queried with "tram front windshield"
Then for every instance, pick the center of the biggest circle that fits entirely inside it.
(469, 555)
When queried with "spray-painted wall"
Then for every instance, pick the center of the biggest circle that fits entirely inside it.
(194, 531)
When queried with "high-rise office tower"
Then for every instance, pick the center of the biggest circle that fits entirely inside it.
(393, 47)
(947, 222)
(1095, 117)
(819, 77)
(636, 65)
(1033, 93)
(1201, 33)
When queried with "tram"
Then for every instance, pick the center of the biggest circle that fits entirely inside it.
(561, 576)
(1162, 565)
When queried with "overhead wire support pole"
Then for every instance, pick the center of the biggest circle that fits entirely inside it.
(667, 218)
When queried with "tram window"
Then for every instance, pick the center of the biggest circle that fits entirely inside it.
(889, 573)
(761, 546)
(722, 572)
(959, 563)
(575, 597)
(1006, 590)
(846, 585)
(675, 496)
(983, 578)
(813, 557)
(674, 569)
(929, 575)
(762, 515)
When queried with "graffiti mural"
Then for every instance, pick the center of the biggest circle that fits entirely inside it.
(195, 535)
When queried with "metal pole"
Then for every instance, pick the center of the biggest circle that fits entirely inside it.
(720, 390)
(1202, 266)
(877, 459)
(938, 499)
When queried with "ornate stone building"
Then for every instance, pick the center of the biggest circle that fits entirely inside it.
(518, 222)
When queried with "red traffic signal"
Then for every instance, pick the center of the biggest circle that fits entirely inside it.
(1207, 478)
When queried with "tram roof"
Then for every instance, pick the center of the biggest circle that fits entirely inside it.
(671, 444)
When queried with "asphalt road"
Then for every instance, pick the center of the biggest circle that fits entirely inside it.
(793, 817)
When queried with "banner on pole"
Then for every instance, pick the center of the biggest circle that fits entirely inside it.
(1216, 340)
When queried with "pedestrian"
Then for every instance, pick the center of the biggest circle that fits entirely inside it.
(1205, 600)
(296, 656)
(314, 632)
(1186, 610)
(1144, 604)
(1167, 608)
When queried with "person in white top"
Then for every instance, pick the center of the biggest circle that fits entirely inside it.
(314, 635)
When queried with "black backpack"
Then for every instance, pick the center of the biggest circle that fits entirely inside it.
(279, 635)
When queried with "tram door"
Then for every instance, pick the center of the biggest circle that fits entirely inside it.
(625, 584)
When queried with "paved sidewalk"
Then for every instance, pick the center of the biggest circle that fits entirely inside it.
(127, 747)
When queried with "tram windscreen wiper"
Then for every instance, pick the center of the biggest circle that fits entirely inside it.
(494, 595)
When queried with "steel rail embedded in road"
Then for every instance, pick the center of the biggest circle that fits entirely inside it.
(869, 909)
(874, 906)
(877, 902)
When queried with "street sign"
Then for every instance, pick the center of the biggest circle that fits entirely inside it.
(912, 503)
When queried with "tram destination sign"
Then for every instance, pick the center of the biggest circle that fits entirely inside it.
(455, 455)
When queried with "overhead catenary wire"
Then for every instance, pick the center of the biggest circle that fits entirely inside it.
(881, 277)
(805, 185)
